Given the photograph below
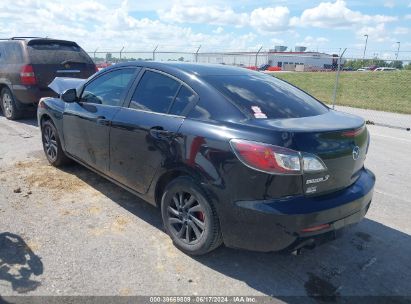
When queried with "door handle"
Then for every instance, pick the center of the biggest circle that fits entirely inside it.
(101, 120)
(159, 132)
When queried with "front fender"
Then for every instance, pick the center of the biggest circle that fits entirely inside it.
(53, 109)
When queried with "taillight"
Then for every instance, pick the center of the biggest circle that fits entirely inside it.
(267, 158)
(312, 163)
(274, 159)
(353, 133)
(96, 68)
(27, 76)
(316, 228)
(368, 142)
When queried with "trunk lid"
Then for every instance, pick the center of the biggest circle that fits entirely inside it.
(340, 140)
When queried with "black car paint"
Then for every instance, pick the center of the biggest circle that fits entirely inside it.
(139, 150)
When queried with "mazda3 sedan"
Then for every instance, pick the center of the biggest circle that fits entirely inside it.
(229, 155)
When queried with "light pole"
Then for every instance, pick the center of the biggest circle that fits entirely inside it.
(398, 50)
(365, 46)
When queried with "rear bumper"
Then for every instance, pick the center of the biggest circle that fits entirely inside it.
(30, 95)
(274, 225)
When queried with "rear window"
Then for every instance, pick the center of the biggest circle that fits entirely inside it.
(54, 52)
(264, 96)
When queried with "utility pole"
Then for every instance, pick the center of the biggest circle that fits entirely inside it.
(398, 50)
(121, 52)
(256, 55)
(365, 47)
(197, 52)
(154, 52)
(337, 77)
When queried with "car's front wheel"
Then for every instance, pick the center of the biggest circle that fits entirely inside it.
(9, 105)
(52, 145)
(190, 218)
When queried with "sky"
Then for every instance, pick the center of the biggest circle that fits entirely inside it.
(216, 25)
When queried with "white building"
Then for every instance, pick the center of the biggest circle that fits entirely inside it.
(277, 57)
(314, 60)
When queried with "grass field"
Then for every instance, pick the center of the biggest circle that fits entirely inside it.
(384, 91)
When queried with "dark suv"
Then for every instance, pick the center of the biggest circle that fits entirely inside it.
(28, 65)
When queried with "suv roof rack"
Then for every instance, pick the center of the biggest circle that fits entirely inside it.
(28, 37)
(23, 38)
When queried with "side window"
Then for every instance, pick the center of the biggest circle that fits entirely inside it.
(155, 92)
(14, 53)
(1, 53)
(110, 88)
(184, 97)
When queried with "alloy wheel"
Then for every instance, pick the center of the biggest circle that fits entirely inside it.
(186, 217)
(50, 143)
(7, 105)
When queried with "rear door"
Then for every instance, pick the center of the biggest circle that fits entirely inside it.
(58, 58)
(86, 124)
(11, 61)
(144, 135)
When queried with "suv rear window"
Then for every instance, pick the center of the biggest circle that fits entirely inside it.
(56, 52)
(264, 96)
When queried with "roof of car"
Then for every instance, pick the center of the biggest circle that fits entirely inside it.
(200, 69)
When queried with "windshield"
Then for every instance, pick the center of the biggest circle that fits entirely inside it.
(264, 96)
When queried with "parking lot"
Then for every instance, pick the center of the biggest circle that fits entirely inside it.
(77, 234)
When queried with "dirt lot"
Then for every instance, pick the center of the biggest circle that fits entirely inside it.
(70, 232)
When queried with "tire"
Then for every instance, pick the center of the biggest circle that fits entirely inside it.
(190, 218)
(9, 105)
(52, 145)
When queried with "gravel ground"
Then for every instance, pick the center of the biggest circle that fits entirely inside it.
(70, 232)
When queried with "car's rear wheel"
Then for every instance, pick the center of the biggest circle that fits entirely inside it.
(190, 218)
(52, 145)
(9, 105)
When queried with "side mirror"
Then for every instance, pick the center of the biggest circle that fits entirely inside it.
(69, 95)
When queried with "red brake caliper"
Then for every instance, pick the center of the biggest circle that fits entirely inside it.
(200, 216)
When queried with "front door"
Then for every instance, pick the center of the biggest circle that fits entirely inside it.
(144, 136)
(86, 123)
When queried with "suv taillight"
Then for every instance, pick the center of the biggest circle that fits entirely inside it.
(274, 159)
(27, 76)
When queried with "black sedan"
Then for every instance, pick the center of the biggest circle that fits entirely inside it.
(229, 155)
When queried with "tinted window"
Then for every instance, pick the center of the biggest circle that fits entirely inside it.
(264, 96)
(110, 88)
(155, 92)
(10, 52)
(43, 52)
(1, 53)
(184, 97)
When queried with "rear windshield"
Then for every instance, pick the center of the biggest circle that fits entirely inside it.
(56, 53)
(265, 96)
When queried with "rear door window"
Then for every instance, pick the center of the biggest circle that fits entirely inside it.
(155, 92)
(264, 96)
(184, 98)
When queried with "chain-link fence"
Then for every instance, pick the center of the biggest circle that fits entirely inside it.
(374, 88)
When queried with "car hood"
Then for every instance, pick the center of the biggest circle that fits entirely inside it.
(61, 84)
